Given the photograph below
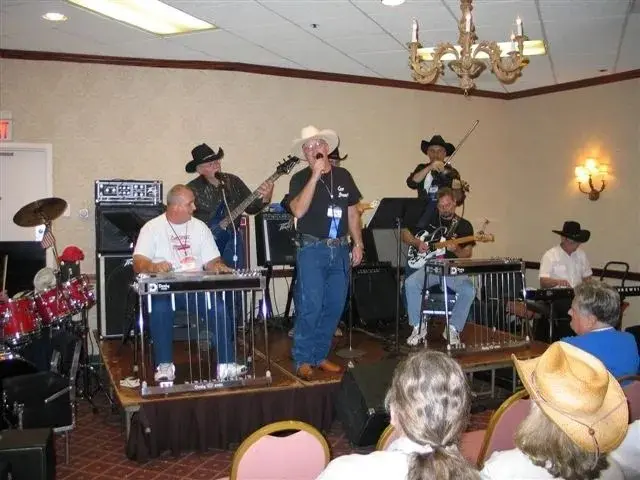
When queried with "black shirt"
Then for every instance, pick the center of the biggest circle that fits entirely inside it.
(209, 197)
(317, 221)
(442, 228)
(440, 179)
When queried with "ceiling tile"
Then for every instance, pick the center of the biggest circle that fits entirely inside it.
(154, 48)
(594, 36)
(572, 11)
(629, 51)
(51, 40)
(577, 67)
(365, 43)
(229, 14)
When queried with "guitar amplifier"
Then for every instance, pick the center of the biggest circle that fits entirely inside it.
(275, 239)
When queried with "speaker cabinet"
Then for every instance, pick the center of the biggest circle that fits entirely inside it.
(374, 293)
(359, 402)
(117, 301)
(117, 226)
(275, 239)
(30, 453)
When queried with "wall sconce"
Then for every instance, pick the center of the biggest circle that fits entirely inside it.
(587, 173)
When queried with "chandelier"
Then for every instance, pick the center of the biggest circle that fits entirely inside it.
(470, 58)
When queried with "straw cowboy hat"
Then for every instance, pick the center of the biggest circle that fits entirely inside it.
(310, 133)
(572, 231)
(203, 153)
(437, 140)
(577, 393)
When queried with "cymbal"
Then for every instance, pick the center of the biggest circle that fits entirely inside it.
(39, 212)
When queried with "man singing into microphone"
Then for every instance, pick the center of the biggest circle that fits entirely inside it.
(323, 200)
(208, 189)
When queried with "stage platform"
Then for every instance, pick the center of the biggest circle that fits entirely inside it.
(222, 418)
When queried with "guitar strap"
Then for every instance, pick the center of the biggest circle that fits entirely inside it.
(452, 227)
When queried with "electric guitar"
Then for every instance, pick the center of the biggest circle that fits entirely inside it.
(439, 247)
(221, 220)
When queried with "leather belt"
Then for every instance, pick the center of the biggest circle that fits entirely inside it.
(306, 239)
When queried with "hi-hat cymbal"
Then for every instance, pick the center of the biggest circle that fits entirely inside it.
(39, 212)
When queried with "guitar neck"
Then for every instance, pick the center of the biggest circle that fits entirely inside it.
(456, 241)
(236, 212)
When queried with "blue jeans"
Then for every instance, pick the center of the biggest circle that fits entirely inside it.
(461, 284)
(162, 317)
(320, 294)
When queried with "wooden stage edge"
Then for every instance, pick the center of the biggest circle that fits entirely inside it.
(118, 361)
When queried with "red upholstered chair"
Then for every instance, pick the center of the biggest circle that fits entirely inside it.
(264, 455)
(631, 386)
(479, 445)
(387, 438)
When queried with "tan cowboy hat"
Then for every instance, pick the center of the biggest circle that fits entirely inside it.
(576, 391)
(309, 133)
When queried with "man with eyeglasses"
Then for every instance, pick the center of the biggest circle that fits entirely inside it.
(323, 199)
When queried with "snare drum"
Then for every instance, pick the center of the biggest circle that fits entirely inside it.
(79, 293)
(19, 320)
(53, 306)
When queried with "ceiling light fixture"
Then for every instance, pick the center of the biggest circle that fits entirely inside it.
(54, 17)
(150, 15)
(392, 3)
(506, 60)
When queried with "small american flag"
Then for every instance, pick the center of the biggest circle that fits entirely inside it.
(47, 239)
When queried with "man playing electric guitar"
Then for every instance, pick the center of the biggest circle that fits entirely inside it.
(442, 223)
(210, 207)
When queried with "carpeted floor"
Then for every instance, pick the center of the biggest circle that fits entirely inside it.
(98, 452)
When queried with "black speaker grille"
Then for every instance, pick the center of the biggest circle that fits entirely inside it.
(275, 236)
(117, 301)
(118, 226)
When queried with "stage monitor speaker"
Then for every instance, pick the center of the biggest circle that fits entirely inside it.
(30, 453)
(374, 293)
(117, 301)
(117, 226)
(275, 239)
(359, 402)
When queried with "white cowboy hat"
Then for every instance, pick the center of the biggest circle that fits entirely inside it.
(577, 393)
(309, 133)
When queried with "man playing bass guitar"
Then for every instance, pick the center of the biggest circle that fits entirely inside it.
(443, 223)
(210, 207)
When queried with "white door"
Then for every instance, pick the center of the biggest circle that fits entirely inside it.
(25, 176)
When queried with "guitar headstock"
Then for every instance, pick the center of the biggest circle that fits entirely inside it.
(485, 237)
(287, 165)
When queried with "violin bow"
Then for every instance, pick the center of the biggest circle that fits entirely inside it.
(473, 127)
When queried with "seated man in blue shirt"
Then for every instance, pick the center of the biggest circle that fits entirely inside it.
(595, 311)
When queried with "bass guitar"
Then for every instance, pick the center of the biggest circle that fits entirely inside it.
(439, 247)
(222, 220)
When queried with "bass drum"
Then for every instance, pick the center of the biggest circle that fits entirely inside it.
(11, 365)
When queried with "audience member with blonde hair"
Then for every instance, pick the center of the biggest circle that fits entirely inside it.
(579, 413)
(429, 403)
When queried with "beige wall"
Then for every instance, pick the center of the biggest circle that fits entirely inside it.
(131, 122)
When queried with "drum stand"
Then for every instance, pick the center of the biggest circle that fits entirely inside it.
(90, 383)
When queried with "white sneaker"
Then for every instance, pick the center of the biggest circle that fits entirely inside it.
(417, 335)
(166, 372)
(454, 336)
(338, 332)
(291, 332)
(231, 370)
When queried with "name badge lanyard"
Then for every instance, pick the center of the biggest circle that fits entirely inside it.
(334, 211)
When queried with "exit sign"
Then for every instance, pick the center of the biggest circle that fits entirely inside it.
(5, 130)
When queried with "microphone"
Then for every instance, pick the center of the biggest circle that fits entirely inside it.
(220, 178)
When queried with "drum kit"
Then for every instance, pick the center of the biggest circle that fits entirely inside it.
(29, 317)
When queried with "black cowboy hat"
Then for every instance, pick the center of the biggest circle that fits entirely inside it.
(437, 140)
(335, 155)
(572, 231)
(202, 154)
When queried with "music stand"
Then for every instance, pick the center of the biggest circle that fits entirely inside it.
(392, 214)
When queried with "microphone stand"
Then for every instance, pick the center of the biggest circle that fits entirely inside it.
(350, 353)
(395, 353)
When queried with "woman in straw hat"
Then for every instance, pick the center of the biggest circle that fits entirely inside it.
(429, 403)
(579, 413)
